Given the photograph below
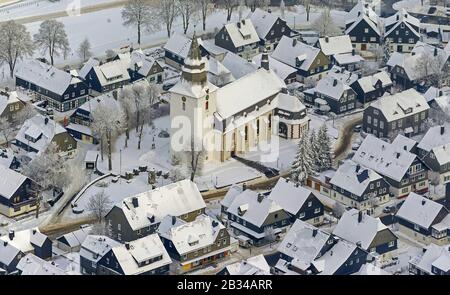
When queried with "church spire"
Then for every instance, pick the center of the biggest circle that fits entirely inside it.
(194, 69)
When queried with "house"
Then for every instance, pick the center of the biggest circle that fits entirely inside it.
(62, 91)
(139, 215)
(407, 143)
(31, 265)
(237, 118)
(363, 26)
(93, 251)
(375, 237)
(176, 50)
(333, 95)
(71, 242)
(238, 66)
(90, 160)
(240, 38)
(433, 93)
(38, 132)
(145, 256)
(194, 243)
(142, 66)
(402, 170)
(311, 63)
(297, 201)
(218, 74)
(372, 87)
(108, 76)
(229, 197)
(308, 250)
(256, 266)
(209, 49)
(402, 31)
(16, 193)
(8, 159)
(424, 220)
(257, 217)
(285, 72)
(434, 260)
(9, 257)
(30, 241)
(81, 119)
(269, 27)
(359, 187)
(340, 51)
(434, 151)
(404, 112)
(10, 105)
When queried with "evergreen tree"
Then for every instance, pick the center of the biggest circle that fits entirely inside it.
(303, 165)
(324, 149)
(314, 149)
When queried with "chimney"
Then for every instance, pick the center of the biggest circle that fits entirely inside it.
(327, 39)
(287, 180)
(442, 129)
(265, 60)
(360, 215)
(435, 51)
(397, 155)
(152, 219)
(127, 245)
(174, 220)
(398, 17)
(423, 202)
(359, 244)
(243, 21)
(335, 82)
(284, 90)
(46, 120)
(239, 25)
(5, 243)
(11, 234)
(135, 202)
(294, 42)
(358, 167)
(405, 148)
(260, 198)
(34, 231)
(315, 232)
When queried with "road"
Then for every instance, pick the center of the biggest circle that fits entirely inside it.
(345, 138)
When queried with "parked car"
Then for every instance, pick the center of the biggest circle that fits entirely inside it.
(355, 146)
(357, 128)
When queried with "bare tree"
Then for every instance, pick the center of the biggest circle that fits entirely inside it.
(52, 38)
(195, 158)
(325, 25)
(164, 13)
(137, 13)
(205, 8)
(7, 129)
(307, 5)
(15, 44)
(253, 4)
(432, 69)
(99, 205)
(230, 5)
(84, 51)
(282, 9)
(187, 9)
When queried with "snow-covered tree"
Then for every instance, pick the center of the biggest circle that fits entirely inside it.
(15, 44)
(7, 129)
(195, 158)
(324, 145)
(229, 6)
(107, 123)
(432, 69)
(282, 9)
(99, 205)
(303, 165)
(163, 13)
(188, 10)
(314, 148)
(137, 13)
(253, 4)
(325, 24)
(205, 7)
(338, 210)
(84, 50)
(52, 38)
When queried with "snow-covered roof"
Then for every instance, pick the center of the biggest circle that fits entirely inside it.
(238, 66)
(331, 87)
(216, 68)
(256, 265)
(290, 103)
(352, 230)
(193, 90)
(35, 266)
(431, 50)
(289, 51)
(368, 83)
(133, 260)
(289, 196)
(242, 33)
(112, 72)
(247, 91)
(211, 47)
(437, 140)
(7, 252)
(263, 22)
(281, 69)
(95, 247)
(178, 44)
(175, 199)
(45, 76)
(443, 261)
(10, 181)
(419, 210)
(343, 75)
(433, 93)
(248, 208)
(362, 12)
(87, 67)
(403, 16)
(7, 98)
(6, 157)
(336, 45)
(35, 127)
(348, 58)
(137, 60)
(101, 100)
(403, 141)
(232, 192)
(401, 105)
(191, 236)
(75, 238)
(432, 257)
(385, 158)
(354, 178)
(333, 259)
(25, 239)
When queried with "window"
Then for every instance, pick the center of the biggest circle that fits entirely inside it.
(302, 215)
(369, 119)
(391, 244)
(416, 227)
(207, 105)
(184, 106)
(309, 204)
(366, 30)
(317, 210)
(11, 108)
(381, 125)
(119, 227)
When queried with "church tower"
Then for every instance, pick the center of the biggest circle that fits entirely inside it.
(192, 106)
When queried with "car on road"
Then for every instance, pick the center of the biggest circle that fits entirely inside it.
(319, 112)
(271, 172)
(355, 146)
(357, 128)
(387, 209)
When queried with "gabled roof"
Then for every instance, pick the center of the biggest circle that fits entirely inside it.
(140, 62)
(238, 66)
(403, 141)
(178, 44)
(191, 236)
(35, 266)
(438, 143)
(7, 98)
(10, 182)
(231, 194)
(25, 240)
(362, 12)
(331, 87)
(354, 178)
(7, 252)
(45, 76)
(112, 72)
(101, 100)
(343, 75)
(336, 45)
(437, 256)
(256, 265)
(140, 251)
(75, 238)
(290, 197)
(368, 83)
(403, 16)
(420, 210)
(281, 69)
(95, 247)
(402, 104)
(384, 158)
(175, 199)
(352, 230)
(332, 260)
(87, 67)
(348, 58)
(263, 21)
(242, 33)
(290, 50)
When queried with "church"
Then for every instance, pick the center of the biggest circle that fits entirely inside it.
(234, 119)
